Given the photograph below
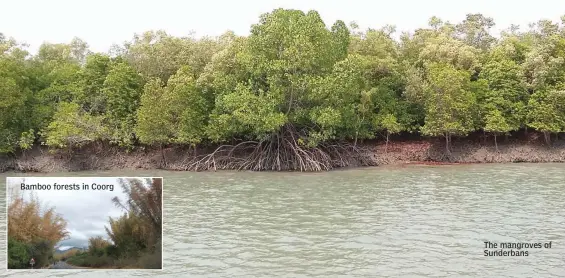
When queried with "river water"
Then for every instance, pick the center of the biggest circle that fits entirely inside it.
(413, 221)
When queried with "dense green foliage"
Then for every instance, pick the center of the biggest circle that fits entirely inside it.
(100, 254)
(20, 253)
(292, 82)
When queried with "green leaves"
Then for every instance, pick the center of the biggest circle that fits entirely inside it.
(547, 111)
(26, 139)
(506, 96)
(243, 112)
(73, 127)
(14, 102)
(474, 31)
(92, 77)
(291, 41)
(156, 54)
(293, 73)
(122, 90)
(449, 102)
(495, 122)
(154, 122)
(176, 113)
(390, 123)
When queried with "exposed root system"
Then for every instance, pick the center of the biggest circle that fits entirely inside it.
(278, 153)
(281, 153)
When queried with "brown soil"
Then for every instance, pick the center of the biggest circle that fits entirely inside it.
(427, 152)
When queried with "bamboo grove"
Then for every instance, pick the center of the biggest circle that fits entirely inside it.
(135, 238)
(33, 231)
(294, 94)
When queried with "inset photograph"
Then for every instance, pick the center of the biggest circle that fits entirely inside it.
(84, 222)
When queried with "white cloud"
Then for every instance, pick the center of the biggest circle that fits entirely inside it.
(86, 211)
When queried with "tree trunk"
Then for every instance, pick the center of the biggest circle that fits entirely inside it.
(495, 143)
(164, 162)
(386, 146)
(447, 140)
(547, 137)
(69, 153)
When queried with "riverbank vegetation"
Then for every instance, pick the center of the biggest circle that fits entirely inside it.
(135, 237)
(294, 94)
(33, 232)
(66, 254)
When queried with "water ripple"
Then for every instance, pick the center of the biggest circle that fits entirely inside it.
(373, 222)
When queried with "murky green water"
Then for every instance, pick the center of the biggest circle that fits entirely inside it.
(416, 221)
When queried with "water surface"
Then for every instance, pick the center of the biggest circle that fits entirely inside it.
(415, 221)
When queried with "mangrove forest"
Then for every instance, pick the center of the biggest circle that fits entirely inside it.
(294, 94)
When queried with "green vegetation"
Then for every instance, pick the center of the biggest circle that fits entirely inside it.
(33, 231)
(65, 255)
(99, 254)
(293, 95)
(135, 236)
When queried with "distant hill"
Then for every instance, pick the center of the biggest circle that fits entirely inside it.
(59, 251)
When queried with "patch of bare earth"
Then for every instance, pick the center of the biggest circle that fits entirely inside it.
(432, 152)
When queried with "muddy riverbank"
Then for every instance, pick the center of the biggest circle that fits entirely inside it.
(101, 157)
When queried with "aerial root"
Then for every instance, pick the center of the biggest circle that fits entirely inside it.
(281, 154)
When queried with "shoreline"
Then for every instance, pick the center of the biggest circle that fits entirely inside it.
(410, 152)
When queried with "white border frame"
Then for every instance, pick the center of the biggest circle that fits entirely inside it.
(91, 269)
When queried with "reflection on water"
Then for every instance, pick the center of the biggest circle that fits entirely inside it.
(376, 222)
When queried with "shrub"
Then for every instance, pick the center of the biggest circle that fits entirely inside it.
(97, 245)
(64, 256)
(18, 255)
(41, 251)
(150, 260)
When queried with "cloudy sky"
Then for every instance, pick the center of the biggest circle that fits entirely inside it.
(104, 22)
(86, 211)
